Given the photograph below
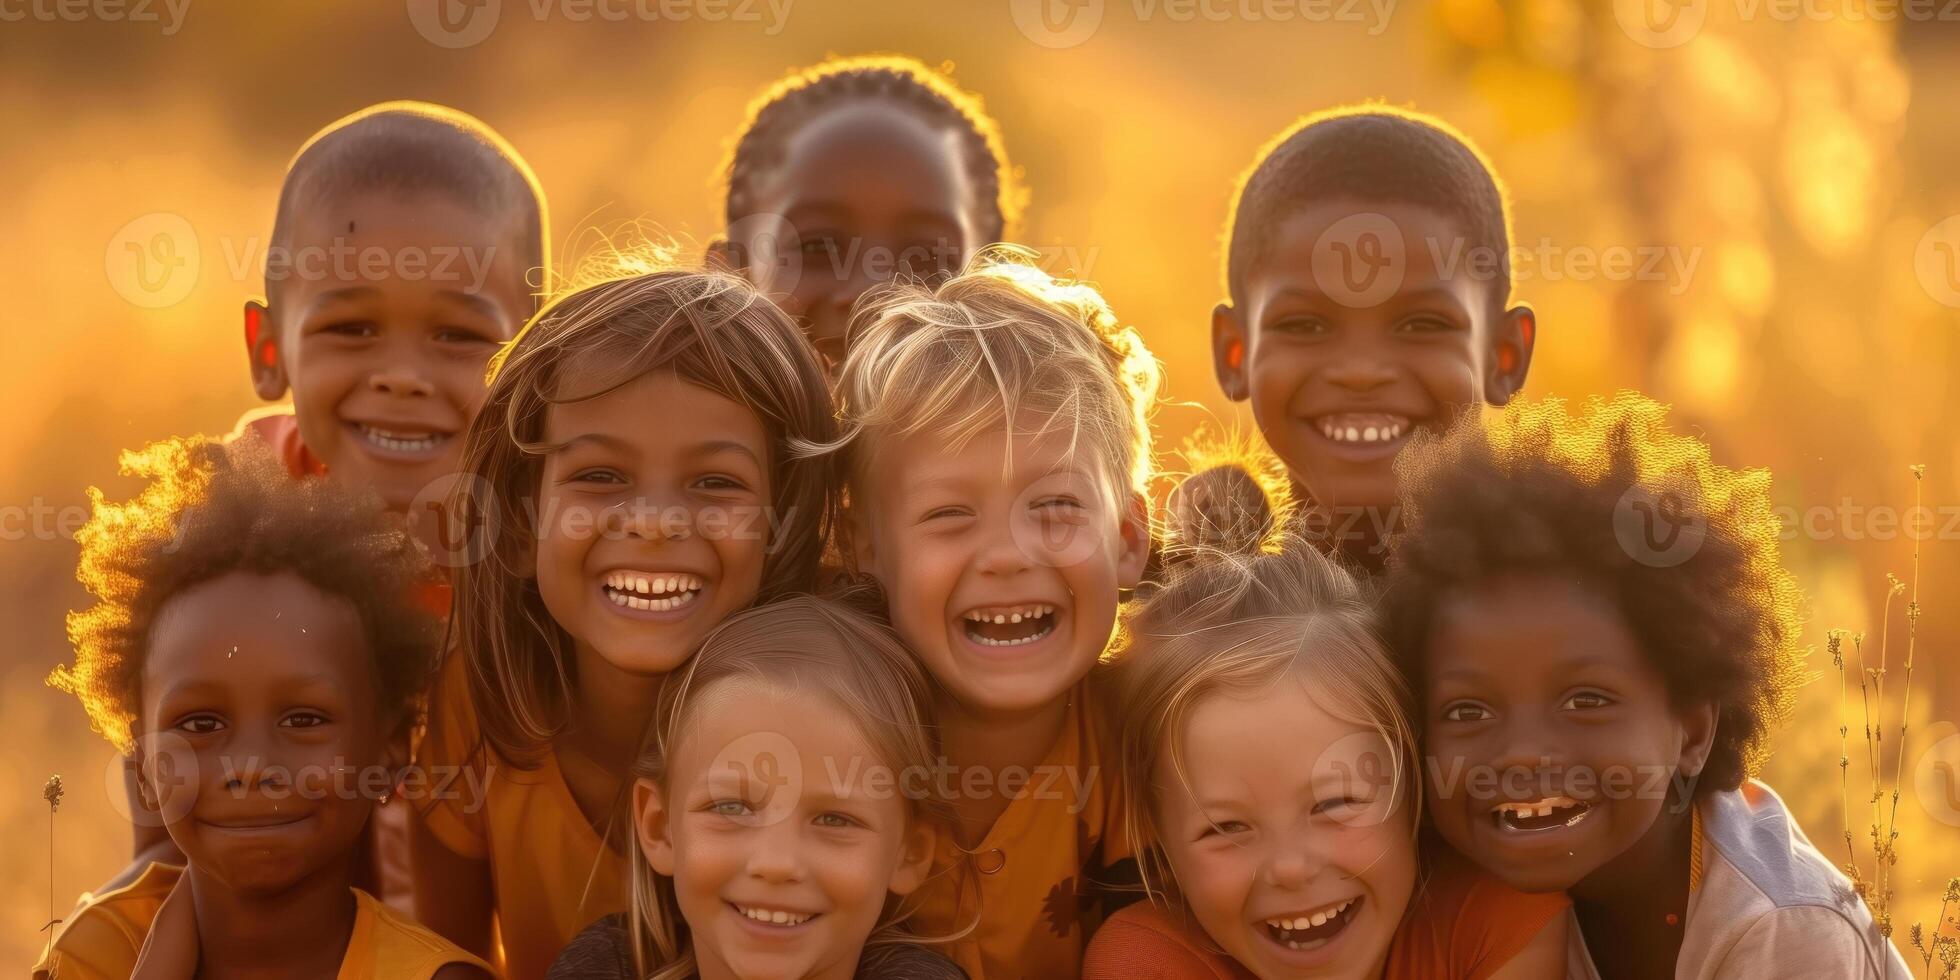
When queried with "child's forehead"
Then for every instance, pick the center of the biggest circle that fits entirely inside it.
(245, 630)
(1347, 250)
(863, 151)
(951, 454)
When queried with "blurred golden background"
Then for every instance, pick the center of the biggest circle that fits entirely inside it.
(1788, 165)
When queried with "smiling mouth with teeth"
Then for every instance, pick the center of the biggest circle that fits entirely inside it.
(652, 591)
(1009, 626)
(1310, 929)
(1545, 814)
(1362, 428)
(401, 441)
(774, 917)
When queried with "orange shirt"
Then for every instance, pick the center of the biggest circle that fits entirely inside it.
(1035, 883)
(102, 939)
(552, 873)
(1461, 924)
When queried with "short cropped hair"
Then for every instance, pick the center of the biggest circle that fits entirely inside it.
(420, 148)
(1368, 153)
(214, 508)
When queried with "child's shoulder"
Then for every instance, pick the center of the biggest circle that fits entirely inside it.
(1463, 922)
(105, 932)
(1146, 939)
(278, 428)
(1761, 889)
(387, 943)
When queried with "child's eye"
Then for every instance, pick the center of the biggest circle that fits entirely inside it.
(351, 328)
(719, 482)
(597, 474)
(1058, 505)
(461, 335)
(941, 513)
(303, 719)
(819, 245)
(1586, 699)
(1299, 325)
(1464, 711)
(1427, 324)
(1342, 802)
(1224, 827)
(729, 808)
(200, 725)
(835, 820)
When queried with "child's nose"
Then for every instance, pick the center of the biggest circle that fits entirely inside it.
(652, 518)
(400, 379)
(1360, 371)
(1295, 863)
(1004, 552)
(774, 855)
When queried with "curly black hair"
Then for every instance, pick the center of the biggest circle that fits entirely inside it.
(212, 508)
(1540, 489)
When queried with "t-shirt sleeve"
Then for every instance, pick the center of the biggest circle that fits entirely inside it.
(907, 961)
(1468, 924)
(1140, 943)
(451, 763)
(1811, 941)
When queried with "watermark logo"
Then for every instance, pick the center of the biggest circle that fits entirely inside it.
(1660, 24)
(154, 261)
(454, 520)
(454, 23)
(167, 14)
(167, 766)
(1054, 525)
(1937, 262)
(1057, 23)
(763, 768)
(1936, 776)
(770, 250)
(1363, 766)
(1359, 261)
(1657, 527)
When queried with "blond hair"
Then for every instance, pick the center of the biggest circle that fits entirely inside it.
(828, 648)
(1235, 623)
(1000, 342)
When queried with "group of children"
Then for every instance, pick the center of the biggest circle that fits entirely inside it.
(809, 620)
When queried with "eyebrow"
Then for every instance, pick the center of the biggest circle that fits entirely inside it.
(481, 305)
(345, 294)
(1570, 664)
(698, 450)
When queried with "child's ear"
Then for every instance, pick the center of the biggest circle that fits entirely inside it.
(915, 859)
(650, 826)
(262, 347)
(726, 256)
(1136, 542)
(1229, 351)
(1697, 740)
(136, 775)
(1512, 339)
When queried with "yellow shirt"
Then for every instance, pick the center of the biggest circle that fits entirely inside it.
(553, 874)
(1037, 883)
(101, 940)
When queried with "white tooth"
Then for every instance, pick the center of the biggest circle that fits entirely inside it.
(999, 619)
(1353, 433)
(1319, 918)
(693, 582)
(1544, 810)
(1014, 618)
(1301, 923)
(1370, 433)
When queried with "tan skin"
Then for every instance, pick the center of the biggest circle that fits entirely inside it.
(1539, 675)
(649, 476)
(866, 190)
(256, 689)
(1306, 352)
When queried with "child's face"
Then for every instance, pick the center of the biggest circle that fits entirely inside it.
(783, 831)
(654, 519)
(382, 325)
(867, 190)
(1284, 813)
(1341, 367)
(1551, 740)
(1004, 583)
(262, 748)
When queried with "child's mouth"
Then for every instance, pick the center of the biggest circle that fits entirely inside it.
(1533, 816)
(401, 441)
(778, 918)
(652, 591)
(1009, 626)
(1363, 428)
(1311, 930)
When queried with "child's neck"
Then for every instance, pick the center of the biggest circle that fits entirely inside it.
(300, 932)
(990, 742)
(610, 711)
(1624, 907)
